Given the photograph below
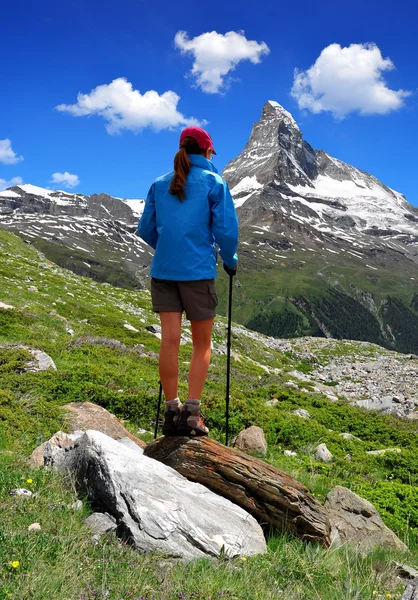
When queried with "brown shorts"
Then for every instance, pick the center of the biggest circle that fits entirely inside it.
(197, 298)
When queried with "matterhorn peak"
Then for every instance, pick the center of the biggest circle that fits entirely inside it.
(273, 109)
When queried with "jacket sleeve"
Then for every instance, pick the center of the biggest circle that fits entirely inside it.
(224, 222)
(147, 225)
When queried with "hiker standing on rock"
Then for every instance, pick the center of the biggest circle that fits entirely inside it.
(187, 212)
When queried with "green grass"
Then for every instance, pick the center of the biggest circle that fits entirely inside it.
(64, 562)
(106, 363)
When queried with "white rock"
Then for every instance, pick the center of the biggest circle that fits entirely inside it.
(21, 492)
(271, 402)
(322, 453)
(158, 509)
(6, 306)
(32, 288)
(130, 327)
(290, 453)
(69, 330)
(302, 413)
(77, 505)
(349, 436)
(384, 451)
(34, 527)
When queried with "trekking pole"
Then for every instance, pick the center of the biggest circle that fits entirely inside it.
(158, 410)
(228, 358)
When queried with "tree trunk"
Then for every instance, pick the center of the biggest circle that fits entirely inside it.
(273, 497)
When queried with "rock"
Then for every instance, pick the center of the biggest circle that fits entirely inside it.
(34, 527)
(21, 492)
(130, 327)
(101, 523)
(384, 451)
(250, 440)
(43, 361)
(40, 360)
(130, 444)
(355, 520)
(77, 505)
(32, 288)
(56, 448)
(6, 306)
(405, 571)
(157, 509)
(410, 593)
(302, 413)
(290, 453)
(349, 436)
(322, 453)
(36, 459)
(86, 415)
(273, 497)
(272, 402)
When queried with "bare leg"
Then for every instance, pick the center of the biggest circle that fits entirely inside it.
(202, 337)
(169, 353)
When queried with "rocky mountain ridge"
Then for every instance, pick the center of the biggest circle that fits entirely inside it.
(91, 235)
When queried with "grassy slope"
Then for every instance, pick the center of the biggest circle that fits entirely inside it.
(62, 562)
(269, 277)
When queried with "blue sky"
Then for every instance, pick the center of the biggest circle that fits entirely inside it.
(51, 51)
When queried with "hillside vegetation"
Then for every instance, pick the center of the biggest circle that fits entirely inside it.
(81, 325)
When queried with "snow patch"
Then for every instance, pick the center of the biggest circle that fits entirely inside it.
(246, 185)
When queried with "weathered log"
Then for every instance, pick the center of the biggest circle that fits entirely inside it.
(273, 497)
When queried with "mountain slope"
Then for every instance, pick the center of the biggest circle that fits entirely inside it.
(93, 235)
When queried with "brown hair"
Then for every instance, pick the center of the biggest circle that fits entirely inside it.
(182, 166)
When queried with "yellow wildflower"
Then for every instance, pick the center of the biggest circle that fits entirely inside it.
(388, 595)
(14, 564)
(29, 480)
(374, 592)
(243, 558)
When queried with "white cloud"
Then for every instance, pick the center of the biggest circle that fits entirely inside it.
(122, 107)
(215, 55)
(6, 183)
(7, 155)
(66, 179)
(345, 80)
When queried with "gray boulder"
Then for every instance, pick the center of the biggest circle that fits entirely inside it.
(101, 523)
(157, 509)
(355, 520)
(322, 453)
(251, 439)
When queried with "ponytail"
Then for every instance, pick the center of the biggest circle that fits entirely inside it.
(181, 170)
(182, 166)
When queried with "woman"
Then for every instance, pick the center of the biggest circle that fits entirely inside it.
(188, 212)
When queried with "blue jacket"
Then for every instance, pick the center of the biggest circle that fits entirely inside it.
(184, 234)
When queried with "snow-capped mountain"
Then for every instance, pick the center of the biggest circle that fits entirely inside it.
(279, 172)
(92, 235)
(325, 247)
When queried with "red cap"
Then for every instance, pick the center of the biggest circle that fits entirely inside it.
(201, 136)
